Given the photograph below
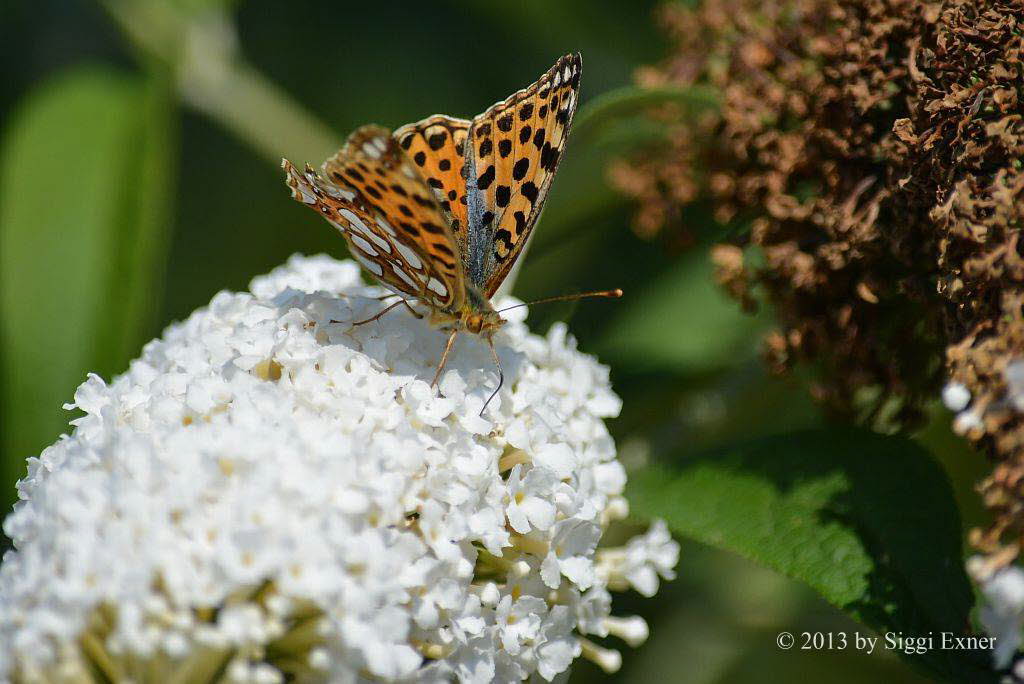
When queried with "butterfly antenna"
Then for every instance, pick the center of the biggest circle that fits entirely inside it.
(608, 294)
(501, 376)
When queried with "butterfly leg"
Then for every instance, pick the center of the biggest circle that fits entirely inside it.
(444, 357)
(374, 318)
(415, 314)
(379, 299)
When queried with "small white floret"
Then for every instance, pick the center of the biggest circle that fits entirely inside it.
(955, 396)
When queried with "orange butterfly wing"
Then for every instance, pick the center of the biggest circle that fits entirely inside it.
(436, 145)
(517, 145)
(393, 226)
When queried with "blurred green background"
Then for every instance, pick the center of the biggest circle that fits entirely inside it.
(139, 176)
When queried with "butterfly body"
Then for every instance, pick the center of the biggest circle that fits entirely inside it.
(439, 210)
(476, 315)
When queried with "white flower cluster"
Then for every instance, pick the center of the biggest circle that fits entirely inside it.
(1002, 611)
(270, 493)
(957, 399)
(1002, 587)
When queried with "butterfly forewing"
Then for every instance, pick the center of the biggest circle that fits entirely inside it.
(517, 145)
(388, 215)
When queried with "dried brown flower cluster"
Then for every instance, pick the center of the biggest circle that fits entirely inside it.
(875, 146)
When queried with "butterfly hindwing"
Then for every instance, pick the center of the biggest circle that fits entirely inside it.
(436, 146)
(516, 147)
(394, 227)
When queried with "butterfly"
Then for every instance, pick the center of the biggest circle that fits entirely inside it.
(439, 210)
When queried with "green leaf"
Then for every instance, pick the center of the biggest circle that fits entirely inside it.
(143, 233)
(868, 521)
(681, 322)
(85, 182)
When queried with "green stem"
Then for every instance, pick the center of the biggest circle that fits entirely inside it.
(281, 127)
(213, 77)
(631, 100)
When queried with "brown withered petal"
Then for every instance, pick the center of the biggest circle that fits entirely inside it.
(875, 148)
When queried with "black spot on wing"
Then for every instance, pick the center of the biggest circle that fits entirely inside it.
(502, 195)
(437, 140)
(529, 191)
(443, 249)
(520, 168)
(520, 218)
(432, 227)
(505, 238)
(548, 157)
(486, 178)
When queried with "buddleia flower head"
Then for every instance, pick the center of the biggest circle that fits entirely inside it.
(269, 493)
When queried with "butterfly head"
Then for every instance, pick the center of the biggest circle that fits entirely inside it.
(485, 322)
(478, 316)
